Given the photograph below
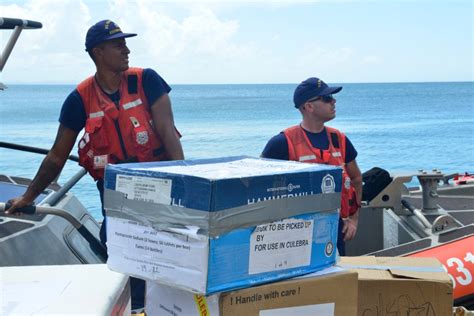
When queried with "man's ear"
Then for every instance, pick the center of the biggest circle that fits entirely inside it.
(97, 52)
(306, 106)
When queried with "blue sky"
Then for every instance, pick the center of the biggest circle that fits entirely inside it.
(252, 42)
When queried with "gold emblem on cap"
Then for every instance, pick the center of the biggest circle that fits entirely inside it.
(115, 30)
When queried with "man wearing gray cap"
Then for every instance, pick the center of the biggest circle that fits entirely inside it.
(126, 115)
(311, 141)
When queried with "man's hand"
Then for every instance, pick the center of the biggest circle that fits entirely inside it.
(17, 203)
(349, 229)
(50, 168)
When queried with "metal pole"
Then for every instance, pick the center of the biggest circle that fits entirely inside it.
(56, 196)
(9, 47)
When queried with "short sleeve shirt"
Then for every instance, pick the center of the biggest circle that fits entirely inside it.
(73, 114)
(277, 146)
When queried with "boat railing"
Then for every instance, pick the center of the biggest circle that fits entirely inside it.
(56, 196)
(17, 25)
(31, 149)
(95, 244)
(431, 218)
(391, 195)
(46, 206)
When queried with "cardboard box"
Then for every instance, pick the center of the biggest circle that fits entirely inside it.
(218, 224)
(327, 294)
(401, 286)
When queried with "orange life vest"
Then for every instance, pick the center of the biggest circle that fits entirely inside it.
(301, 149)
(117, 133)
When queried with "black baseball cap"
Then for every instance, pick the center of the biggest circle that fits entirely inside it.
(102, 31)
(311, 88)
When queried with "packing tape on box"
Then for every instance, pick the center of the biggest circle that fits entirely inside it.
(391, 267)
(162, 217)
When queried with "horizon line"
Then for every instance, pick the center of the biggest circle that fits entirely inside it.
(251, 83)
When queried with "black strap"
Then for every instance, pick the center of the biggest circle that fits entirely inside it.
(335, 140)
(132, 84)
(156, 152)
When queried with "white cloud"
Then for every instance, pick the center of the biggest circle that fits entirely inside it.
(192, 44)
(199, 34)
(373, 60)
(200, 40)
(185, 42)
(199, 47)
(53, 53)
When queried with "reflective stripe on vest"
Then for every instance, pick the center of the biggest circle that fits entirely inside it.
(306, 158)
(96, 114)
(132, 104)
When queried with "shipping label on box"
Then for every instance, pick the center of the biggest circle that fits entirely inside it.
(272, 249)
(146, 189)
(294, 247)
(142, 251)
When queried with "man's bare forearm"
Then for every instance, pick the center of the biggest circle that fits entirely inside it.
(48, 171)
(53, 163)
(173, 147)
(357, 183)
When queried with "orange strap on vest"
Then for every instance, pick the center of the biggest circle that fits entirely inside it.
(301, 149)
(117, 133)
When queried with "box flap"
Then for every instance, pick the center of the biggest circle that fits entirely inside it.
(370, 267)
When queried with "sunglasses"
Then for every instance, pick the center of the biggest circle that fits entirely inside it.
(325, 98)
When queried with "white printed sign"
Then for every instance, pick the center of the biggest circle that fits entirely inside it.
(281, 245)
(174, 259)
(306, 310)
(145, 189)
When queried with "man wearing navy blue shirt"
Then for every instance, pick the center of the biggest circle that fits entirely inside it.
(126, 114)
(73, 114)
(312, 141)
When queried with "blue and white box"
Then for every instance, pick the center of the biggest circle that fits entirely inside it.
(213, 225)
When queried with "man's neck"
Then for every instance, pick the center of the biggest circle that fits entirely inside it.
(312, 126)
(108, 81)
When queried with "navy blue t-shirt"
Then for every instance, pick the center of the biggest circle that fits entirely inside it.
(277, 146)
(73, 114)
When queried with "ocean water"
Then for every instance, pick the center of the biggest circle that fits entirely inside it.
(402, 127)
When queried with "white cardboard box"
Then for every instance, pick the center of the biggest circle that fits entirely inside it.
(218, 224)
